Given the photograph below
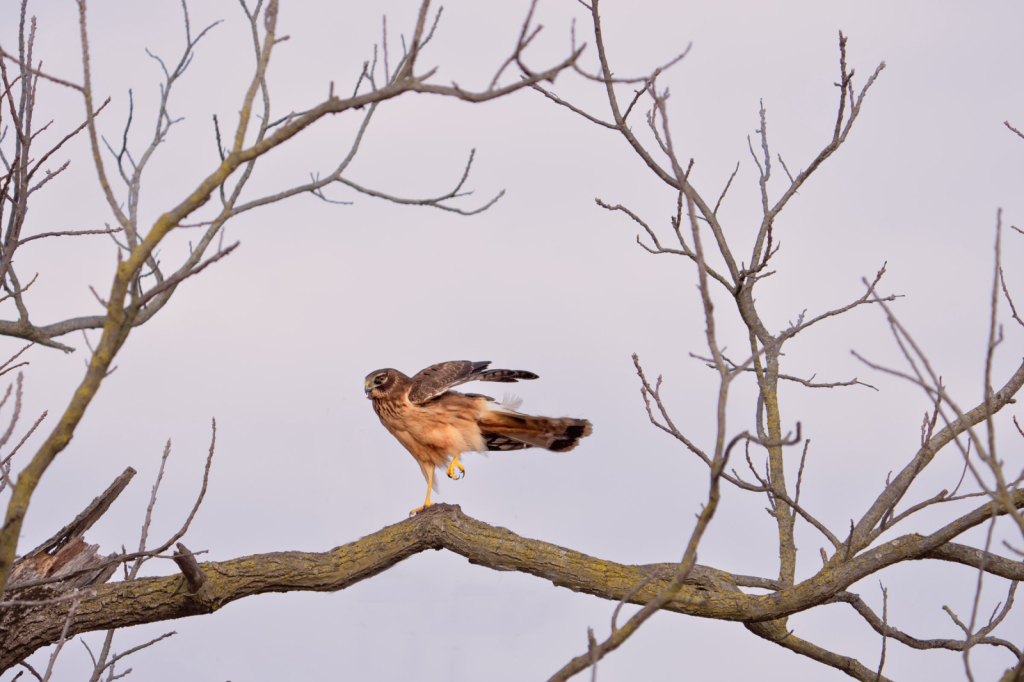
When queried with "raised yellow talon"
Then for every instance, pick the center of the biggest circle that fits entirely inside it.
(451, 469)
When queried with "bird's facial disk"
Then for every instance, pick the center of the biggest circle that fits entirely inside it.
(375, 380)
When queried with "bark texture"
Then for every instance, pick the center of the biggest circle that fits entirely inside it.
(708, 592)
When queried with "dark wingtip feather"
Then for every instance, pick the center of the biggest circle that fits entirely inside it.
(506, 376)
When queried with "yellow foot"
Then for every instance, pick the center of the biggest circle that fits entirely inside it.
(419, 509)
(451, 470)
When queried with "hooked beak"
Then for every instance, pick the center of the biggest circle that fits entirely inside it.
(368, 388)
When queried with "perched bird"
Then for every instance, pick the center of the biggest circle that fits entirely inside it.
(437, 424)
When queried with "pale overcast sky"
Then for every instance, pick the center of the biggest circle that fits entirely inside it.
(275, 340)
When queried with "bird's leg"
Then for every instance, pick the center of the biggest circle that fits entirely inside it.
(430, 484)
(451, 470)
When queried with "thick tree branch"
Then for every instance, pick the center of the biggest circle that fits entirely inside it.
(707, 592)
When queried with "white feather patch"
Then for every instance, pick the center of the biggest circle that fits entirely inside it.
(509, 403)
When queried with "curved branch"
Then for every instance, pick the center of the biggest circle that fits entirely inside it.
(976, 558)
(707, 592)
(913, 642)
(774, 632)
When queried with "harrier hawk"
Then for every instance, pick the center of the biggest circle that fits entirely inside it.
(436, 424)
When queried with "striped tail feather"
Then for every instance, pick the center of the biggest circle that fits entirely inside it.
(497, 442)
(556, 434)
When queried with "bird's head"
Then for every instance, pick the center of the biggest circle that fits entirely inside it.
(378, 382)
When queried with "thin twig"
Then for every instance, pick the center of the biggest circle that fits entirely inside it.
(62, 640)
(69, 233)
(149, 511)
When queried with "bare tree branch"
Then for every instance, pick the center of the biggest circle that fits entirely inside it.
(881, 627)
(706, 592)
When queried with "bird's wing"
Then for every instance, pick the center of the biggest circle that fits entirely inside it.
(437, 379)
